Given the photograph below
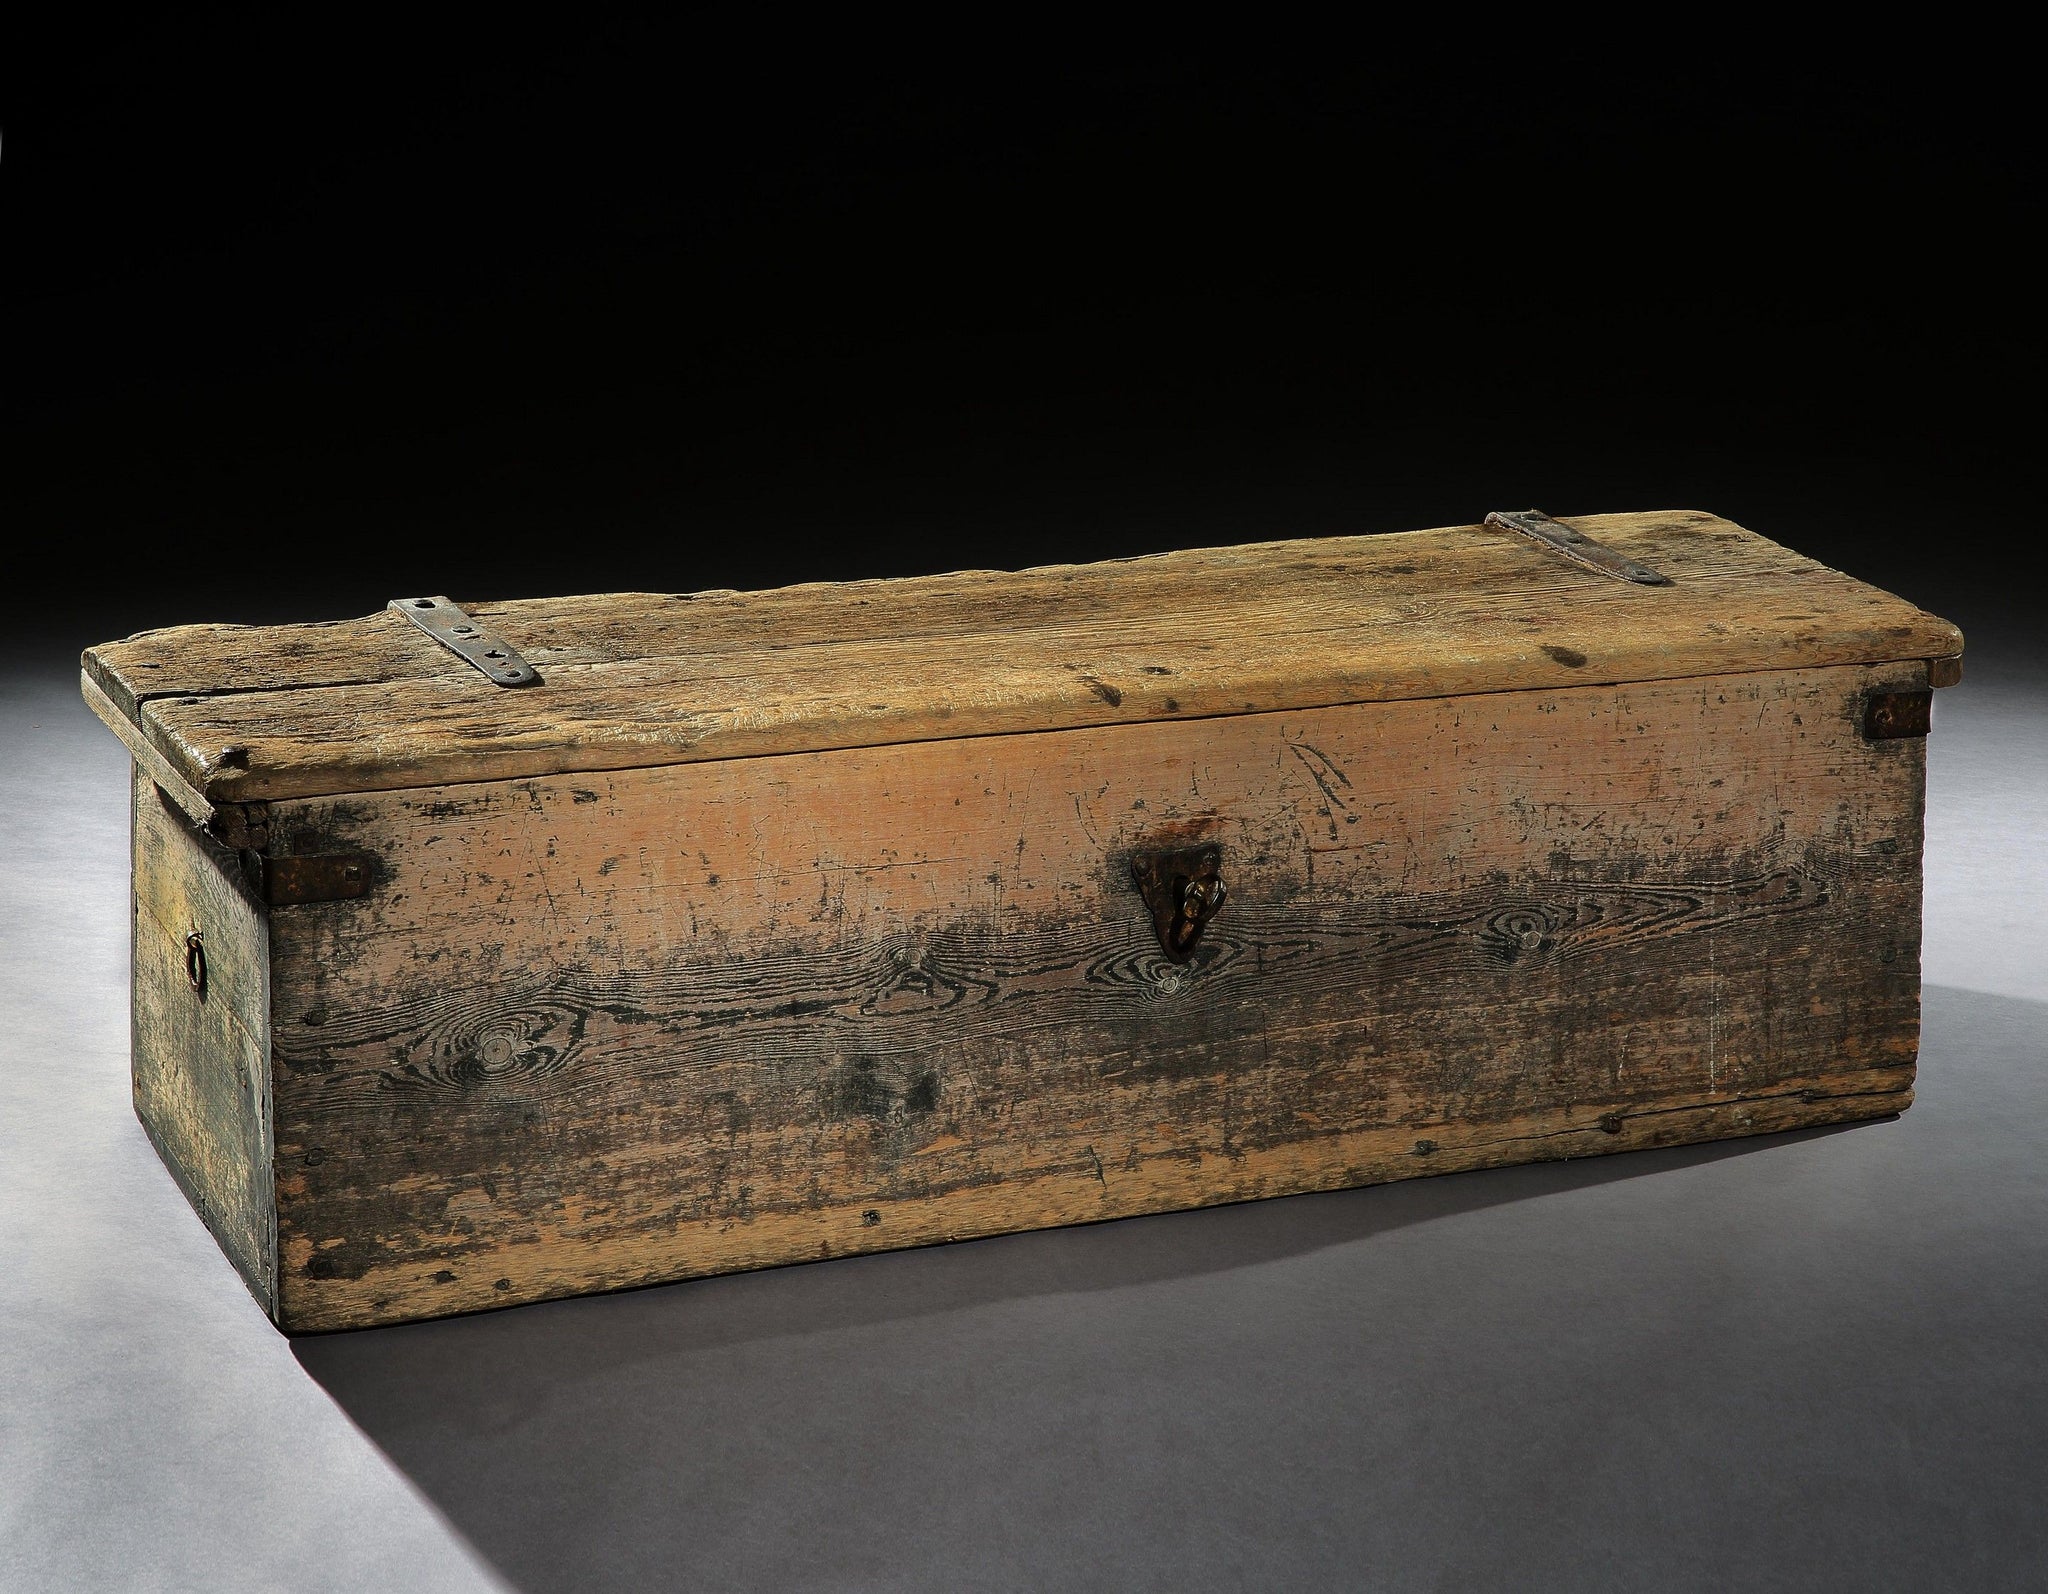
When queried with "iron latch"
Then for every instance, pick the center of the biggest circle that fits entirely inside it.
(1183, 888)
(1891, 716)
(316, 877)
(468, 639)
(1576, 546)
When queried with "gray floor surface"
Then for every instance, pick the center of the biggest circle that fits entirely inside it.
(1815, 1361)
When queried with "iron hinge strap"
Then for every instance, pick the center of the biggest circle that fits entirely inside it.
(1576, 546)
(468, 639)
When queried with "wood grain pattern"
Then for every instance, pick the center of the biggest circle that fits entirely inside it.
(603, 1029)
(201, 1061)
(639, 680)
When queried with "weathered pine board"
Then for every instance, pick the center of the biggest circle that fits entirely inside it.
(634, 680)
(1323, 576)
(603, 1029)
(201, 1059)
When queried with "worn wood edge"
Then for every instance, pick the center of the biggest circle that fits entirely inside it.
(265, 1290)
(169, 780)
(249, 791)
(105, 684)
(1081, 1195)
(228, 824)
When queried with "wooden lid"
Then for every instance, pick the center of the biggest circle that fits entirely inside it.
(252, 713)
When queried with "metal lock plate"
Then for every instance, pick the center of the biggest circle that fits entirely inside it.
(1183, 886)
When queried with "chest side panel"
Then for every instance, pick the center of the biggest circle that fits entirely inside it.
(599, 1030)
(200, 1023)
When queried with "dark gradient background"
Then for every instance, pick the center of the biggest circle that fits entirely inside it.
(290, 325)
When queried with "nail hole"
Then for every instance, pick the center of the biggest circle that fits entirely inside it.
(423, 603)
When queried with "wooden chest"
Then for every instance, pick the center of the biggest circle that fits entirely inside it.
(770, 926)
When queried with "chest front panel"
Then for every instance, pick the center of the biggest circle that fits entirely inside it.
(602, 1029)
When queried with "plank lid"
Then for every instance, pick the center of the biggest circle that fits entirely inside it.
(256, 713)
